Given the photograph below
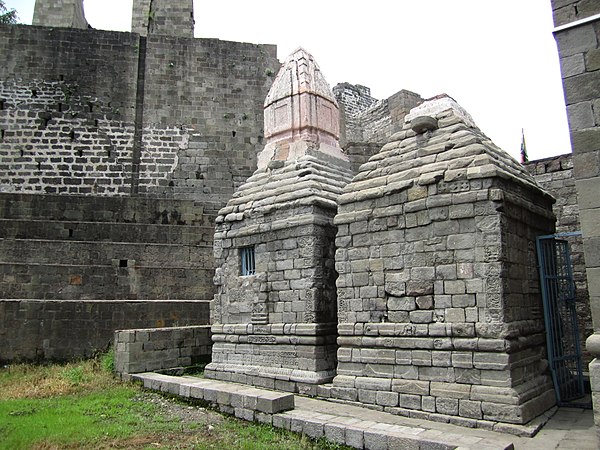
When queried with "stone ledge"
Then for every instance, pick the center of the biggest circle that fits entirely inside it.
(278, 409)
(225, 395)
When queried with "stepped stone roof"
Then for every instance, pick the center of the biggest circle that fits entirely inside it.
(308, 181)
(302, 163)
(449, 149)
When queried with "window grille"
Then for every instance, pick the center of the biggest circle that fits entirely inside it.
(248, 263)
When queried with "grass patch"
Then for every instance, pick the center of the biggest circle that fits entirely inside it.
(82, 405)
(74, 420)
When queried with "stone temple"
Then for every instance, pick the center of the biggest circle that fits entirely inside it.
(435, 307)
(438, 307)
(274, 323)
(380, 252)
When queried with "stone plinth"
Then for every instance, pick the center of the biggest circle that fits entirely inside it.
(439, 306)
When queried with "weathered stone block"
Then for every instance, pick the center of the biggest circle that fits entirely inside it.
(446, 406)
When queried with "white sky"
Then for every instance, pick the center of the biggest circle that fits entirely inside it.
(498, 59)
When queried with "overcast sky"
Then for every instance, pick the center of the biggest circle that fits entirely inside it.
(498, 59)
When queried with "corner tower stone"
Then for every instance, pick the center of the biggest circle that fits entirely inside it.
(163, 17)
(274, 314)
(59, 13)
(439, 305)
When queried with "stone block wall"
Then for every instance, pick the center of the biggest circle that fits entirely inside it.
(59, 13)
(67, 108)
(69, 247)
(75, 268)
(50, 330)
(156, 349)
(211, 111)
(162, 17)
(439, 306)
(105, 113)
(555, 175)
(116, 151)
(577, 36)
(275, 328)
(366, 123)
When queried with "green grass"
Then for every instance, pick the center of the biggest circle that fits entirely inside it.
(82, 405)
(75, 419)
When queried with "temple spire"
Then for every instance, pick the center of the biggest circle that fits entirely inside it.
(301, 112)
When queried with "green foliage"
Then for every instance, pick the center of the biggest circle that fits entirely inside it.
(75, 375)
(107, 361)
(6, 15)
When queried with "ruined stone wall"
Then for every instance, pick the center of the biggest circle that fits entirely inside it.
(148, 350)
(67, 106)
(96, 112)
(555, 175)
(367, 123)
(208, 99)
(51, 330)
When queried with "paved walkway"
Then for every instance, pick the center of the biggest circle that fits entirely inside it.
(359, 427)
(568, 428)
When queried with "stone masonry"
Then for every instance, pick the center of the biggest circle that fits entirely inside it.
(163, 17)
(60, 13)
(116, 152)
(276, 325)
(577, 37)
(366, 123)
(439, 306)
(555, 175)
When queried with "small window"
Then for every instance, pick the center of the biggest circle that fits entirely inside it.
(247, 258)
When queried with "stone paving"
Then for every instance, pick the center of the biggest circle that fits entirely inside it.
(359, 427)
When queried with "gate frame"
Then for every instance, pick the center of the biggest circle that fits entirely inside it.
(548, 322)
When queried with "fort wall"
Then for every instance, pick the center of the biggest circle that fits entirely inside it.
(116, 152)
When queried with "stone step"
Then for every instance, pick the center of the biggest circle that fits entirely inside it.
(65, 282)
(339, 423)
(227, 395)
(42, 251)
(106, 231)
(105, 209)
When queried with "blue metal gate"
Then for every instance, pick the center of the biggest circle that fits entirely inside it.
(562, 331)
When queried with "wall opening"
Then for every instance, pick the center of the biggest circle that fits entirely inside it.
(247, 258)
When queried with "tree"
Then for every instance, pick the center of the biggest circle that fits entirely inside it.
(6, 15)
